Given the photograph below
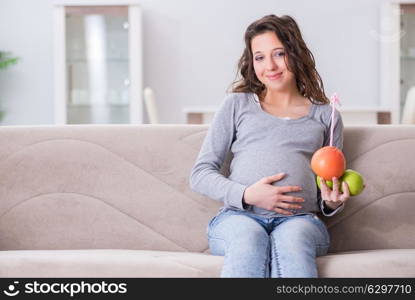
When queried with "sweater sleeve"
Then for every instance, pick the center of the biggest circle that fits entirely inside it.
(337, 131)
(337, 142)
(205, 177)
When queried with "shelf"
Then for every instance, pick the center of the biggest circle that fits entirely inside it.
(92, 106)
(108, 60)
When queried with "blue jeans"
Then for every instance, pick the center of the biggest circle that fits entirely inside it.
(256, 246)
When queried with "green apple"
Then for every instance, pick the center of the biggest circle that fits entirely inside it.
(328, 182)
(354, 180)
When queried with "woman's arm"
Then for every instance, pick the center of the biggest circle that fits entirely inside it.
(327, 208)
(205, 177)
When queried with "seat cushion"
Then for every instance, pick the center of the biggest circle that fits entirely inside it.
(143, 263)
(107, 263)
(368, 263)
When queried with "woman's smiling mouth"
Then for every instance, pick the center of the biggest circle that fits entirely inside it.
(274, 76)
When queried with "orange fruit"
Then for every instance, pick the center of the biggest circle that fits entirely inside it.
(328, 162)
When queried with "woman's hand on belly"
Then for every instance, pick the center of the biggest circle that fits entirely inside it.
(264, 195)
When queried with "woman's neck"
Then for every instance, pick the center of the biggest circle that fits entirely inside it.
(282, 99)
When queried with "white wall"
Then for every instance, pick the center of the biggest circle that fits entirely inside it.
(26, 89)
(191, 49)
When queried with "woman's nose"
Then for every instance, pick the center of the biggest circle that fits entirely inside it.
(271, 64)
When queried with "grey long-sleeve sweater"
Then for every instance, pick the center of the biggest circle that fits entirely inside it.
(263, 145)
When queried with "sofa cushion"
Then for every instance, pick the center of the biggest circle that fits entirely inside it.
(142, 263)
(108, 263)
(368, 263)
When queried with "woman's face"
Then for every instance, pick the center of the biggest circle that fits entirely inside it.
(269, 62)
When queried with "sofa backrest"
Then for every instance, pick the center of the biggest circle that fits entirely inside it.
(101, 186)
(382, 216)
(127, 187)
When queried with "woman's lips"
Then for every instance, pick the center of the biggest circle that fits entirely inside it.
(274, 77)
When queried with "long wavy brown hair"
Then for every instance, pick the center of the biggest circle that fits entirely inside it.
(299, 59)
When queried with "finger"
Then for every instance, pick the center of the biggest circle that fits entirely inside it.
(288, 189)
(288, 205)
(335, 186)
(323, 186)
(291, 199)
(273, 178)
(346, 191)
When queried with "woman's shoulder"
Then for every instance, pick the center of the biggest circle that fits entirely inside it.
(238, 99)
(239, 96)
(323, 112)
(323, 108)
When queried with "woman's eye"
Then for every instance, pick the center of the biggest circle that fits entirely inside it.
(279, 54)
(258, 58)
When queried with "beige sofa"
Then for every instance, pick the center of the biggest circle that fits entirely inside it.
(114, 201)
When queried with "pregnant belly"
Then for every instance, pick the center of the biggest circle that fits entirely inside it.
(297, 173)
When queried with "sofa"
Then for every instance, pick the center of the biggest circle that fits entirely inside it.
(115, 201)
